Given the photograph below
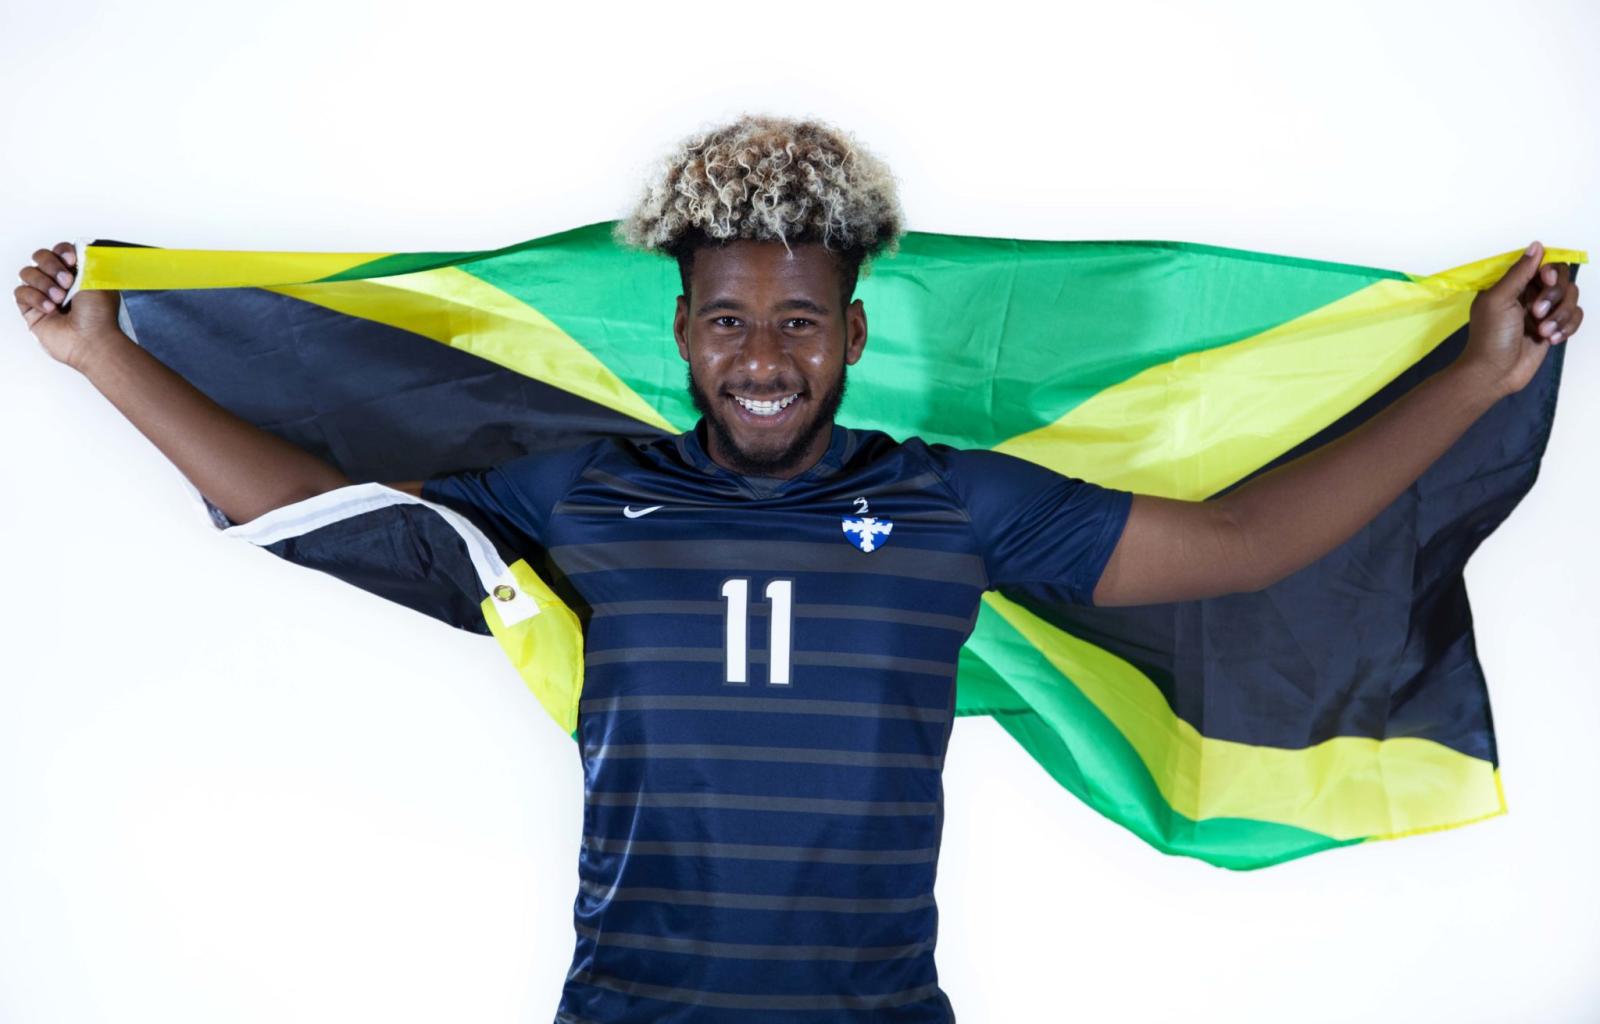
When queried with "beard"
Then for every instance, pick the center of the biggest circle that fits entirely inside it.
(771, 463)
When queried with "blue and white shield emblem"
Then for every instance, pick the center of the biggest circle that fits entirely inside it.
(869, 533)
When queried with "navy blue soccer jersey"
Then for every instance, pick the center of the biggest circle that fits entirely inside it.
(769, 687)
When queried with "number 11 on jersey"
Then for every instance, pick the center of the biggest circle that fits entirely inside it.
(736, 630)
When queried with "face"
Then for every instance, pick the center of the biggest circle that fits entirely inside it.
(767, 339)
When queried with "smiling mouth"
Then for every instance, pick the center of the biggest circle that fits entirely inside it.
(765, 407)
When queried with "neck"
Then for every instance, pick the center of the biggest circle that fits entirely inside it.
(723, 456)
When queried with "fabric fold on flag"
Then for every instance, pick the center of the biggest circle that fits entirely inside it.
(1342, 704)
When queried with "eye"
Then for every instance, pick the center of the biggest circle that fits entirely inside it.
(732, 321)
(798, 321)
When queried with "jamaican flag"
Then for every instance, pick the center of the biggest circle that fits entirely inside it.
(1342, 704)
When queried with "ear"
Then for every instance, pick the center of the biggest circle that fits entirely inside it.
(855, 332)
(680, 327)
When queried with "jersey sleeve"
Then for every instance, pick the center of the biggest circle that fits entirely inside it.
(1034, 525)
(513, 499)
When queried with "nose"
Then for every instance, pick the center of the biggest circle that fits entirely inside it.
(763, 357)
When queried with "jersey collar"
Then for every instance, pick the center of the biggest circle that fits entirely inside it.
(692, 446)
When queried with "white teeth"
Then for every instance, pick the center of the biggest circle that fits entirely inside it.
(766, 408)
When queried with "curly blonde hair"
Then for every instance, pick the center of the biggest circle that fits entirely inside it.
(769, 179)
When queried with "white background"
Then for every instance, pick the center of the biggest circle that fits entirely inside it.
(232, 789)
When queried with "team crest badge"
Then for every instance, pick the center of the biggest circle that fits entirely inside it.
(869, 533)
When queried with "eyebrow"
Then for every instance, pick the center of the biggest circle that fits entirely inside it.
(731, 305)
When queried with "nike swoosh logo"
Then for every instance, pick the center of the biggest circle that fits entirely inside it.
(635, 513)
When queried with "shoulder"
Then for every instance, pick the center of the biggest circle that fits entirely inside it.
(961, 467)
(957, 468)
(999, 488)
(538, 471)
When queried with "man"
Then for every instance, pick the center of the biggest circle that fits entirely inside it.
(775, 604)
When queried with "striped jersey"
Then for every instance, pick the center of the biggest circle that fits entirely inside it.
(768, 693)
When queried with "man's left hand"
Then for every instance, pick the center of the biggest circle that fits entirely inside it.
(1515, 321)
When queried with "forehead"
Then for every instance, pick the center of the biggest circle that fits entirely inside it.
(754, 267)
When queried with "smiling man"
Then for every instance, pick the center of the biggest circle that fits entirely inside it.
(768, 350)
(775, 604)
(775, 618)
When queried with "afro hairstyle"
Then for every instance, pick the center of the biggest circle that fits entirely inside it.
(769, 179)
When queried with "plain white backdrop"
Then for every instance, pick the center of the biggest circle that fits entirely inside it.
(232, 789)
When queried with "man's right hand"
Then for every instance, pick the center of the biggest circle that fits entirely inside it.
(70, 337)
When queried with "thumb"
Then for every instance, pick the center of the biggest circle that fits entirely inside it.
(1518, 275)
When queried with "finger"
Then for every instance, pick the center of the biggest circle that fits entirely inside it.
(1528, 294)
(1573, 327)
(68, 253)
(1547, 298)
(51, 264)
(28, 303)
(1556, 324)
(1517, 277)
(1563, 313)
(29, 298)
(49, 288)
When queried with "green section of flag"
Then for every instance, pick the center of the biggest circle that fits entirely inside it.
(1085, 753)
(614, 301)
(978, 340)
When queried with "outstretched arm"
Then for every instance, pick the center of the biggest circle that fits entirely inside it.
(1289, 517)
(243, 470)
